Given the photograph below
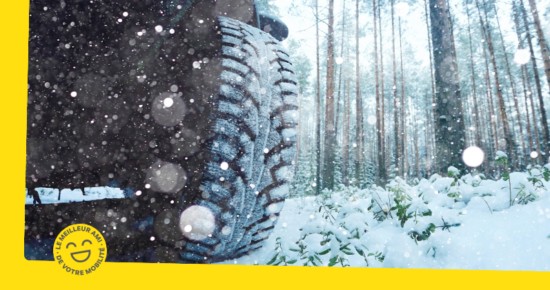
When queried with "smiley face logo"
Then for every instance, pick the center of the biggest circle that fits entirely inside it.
(80, 249)
(80, 256)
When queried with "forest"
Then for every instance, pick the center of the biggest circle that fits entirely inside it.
(403, 133)
(401, 88)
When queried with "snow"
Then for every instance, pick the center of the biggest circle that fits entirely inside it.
(402, 9)
(224, 165)
(168, 109)
(197, 222)
(453, 171)
(522, 56)
(168, 102)
(500, 155)
(50, 195)
(462, 222)
(473, 156)
(371, 120)
(166, 177)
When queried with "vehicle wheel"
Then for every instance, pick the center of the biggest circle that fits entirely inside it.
(207, 141)
(252, 148)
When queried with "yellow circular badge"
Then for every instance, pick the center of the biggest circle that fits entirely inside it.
(80, 249)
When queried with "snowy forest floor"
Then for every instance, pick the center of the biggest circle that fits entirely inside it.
(455, 222)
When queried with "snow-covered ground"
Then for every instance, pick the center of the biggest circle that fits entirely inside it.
(50, 195)
(455, 222)
(444, 222)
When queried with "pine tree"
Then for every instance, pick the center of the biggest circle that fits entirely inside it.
(449, 125)
(359, 133)
(317, 104)
(538, 85)
(509, 140)
(330, 126)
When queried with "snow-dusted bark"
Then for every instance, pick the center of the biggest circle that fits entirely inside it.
(449, 121)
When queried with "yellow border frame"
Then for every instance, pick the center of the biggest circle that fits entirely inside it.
(39, 274)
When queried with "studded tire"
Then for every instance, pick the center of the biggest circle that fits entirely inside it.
(252, 147)
(210, 170)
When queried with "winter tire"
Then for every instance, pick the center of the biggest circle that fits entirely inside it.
(251, 153)
(206, 144)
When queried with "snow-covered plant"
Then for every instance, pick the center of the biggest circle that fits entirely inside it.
(337, 247)
(524, 195)
(399, 188)
(402, 209)
(328, 207)
(282, 256)
(453, 172)
(502, 159)
(307, 255)
(454, 189)
(422, 235)
(536, 175)
(381, 204)
(398, 202)
(476, 180)
(402, 200)
(323, 243)
(335, 237)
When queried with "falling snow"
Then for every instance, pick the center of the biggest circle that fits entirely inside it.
(522, 56)
(197, 222)
(473, 156)
(371, 120)
(224, 165)
(402, 9)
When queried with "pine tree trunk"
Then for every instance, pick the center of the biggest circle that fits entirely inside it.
(429, 136)
(396, 113)
(537, 138)
(403, 109)
(416, 150)
(359, 104)
(509, 141)
(345, 142)
(511, 80)
(545, 133)
(543, 44)
(382, 169)
(342, 92)
(318, 105)
(477, 115)
(330, 134)
(528, 119)
(381, 180)
(449, 120)
(493, 132)
(431, 109)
